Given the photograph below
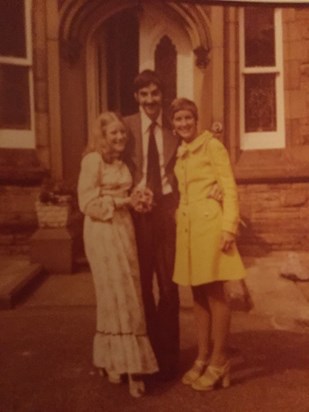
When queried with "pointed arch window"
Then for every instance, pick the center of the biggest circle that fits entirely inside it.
(166, 67)
(16, 82)
(261, 79)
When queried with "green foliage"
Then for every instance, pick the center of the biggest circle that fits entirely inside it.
(57, 192)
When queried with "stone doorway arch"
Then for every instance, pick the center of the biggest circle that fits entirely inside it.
(85, 90)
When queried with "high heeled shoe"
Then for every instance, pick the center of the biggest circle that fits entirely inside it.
(214, 376)
(194, 373)
(136, 387)
(112, 377)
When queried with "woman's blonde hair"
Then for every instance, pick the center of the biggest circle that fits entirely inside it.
(96, 144)
(182, 103)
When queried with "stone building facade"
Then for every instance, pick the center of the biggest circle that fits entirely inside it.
(247, 68)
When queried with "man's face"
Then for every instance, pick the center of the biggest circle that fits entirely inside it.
(150, 99)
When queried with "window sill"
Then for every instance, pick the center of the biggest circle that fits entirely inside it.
(20, 166)
(276, 165)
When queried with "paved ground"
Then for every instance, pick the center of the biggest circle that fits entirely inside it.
(46, 343)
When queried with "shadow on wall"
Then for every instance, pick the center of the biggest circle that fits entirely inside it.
(249, 242)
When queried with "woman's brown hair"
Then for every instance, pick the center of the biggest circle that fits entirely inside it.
(182, 103)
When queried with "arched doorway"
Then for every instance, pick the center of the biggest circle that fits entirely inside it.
(118, 43)
(105, 44)
(118, 62)
(132, 40)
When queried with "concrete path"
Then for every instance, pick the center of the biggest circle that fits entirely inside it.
(46, 345)
(16, 274)
(283, 301)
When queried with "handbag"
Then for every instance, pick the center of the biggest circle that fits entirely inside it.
(237, 295)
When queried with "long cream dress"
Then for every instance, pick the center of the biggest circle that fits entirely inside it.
(121, 344)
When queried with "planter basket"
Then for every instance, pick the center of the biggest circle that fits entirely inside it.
(51, 215)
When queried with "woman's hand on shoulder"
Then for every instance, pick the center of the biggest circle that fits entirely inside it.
(227, 241)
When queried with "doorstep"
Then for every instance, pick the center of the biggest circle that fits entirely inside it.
(17, 274)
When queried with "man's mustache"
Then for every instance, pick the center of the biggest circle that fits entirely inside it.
(151, 104)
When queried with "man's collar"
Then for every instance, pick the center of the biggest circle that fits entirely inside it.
(146, 121)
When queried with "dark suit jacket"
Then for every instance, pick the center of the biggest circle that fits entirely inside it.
(134, 151)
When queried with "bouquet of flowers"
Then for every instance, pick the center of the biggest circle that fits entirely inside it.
(142, 199)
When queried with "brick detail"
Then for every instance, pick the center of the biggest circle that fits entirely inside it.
(17, 218)
(277, 217)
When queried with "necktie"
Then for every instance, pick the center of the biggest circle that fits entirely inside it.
(153, 164)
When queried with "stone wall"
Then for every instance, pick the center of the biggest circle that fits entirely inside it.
(17, 217)
(40, 83)
(276, 217)
(296, 74)
(277, 214)
(22, 170)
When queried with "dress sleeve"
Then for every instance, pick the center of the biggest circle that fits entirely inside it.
(224, 174)
(89, 199)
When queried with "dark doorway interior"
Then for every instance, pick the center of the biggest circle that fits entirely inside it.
(122, 45)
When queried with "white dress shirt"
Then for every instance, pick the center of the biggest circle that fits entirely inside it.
(146, 122)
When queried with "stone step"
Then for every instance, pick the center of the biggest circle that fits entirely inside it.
(17, 275)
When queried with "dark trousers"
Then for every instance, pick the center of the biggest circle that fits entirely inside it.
(155, 236)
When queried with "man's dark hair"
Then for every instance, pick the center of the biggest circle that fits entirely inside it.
(145, 78)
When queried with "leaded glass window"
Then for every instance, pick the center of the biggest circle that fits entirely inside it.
(16, 94)
(261, 78)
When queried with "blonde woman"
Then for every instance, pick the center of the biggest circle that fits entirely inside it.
(206, 254)
(121, 345)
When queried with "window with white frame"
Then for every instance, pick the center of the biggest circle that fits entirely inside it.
(16, 84)
(261, 79)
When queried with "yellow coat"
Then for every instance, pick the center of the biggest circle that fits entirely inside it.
(200, 221)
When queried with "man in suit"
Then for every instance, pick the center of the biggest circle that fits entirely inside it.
(151, 154)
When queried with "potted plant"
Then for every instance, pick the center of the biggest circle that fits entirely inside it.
(55, 203)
